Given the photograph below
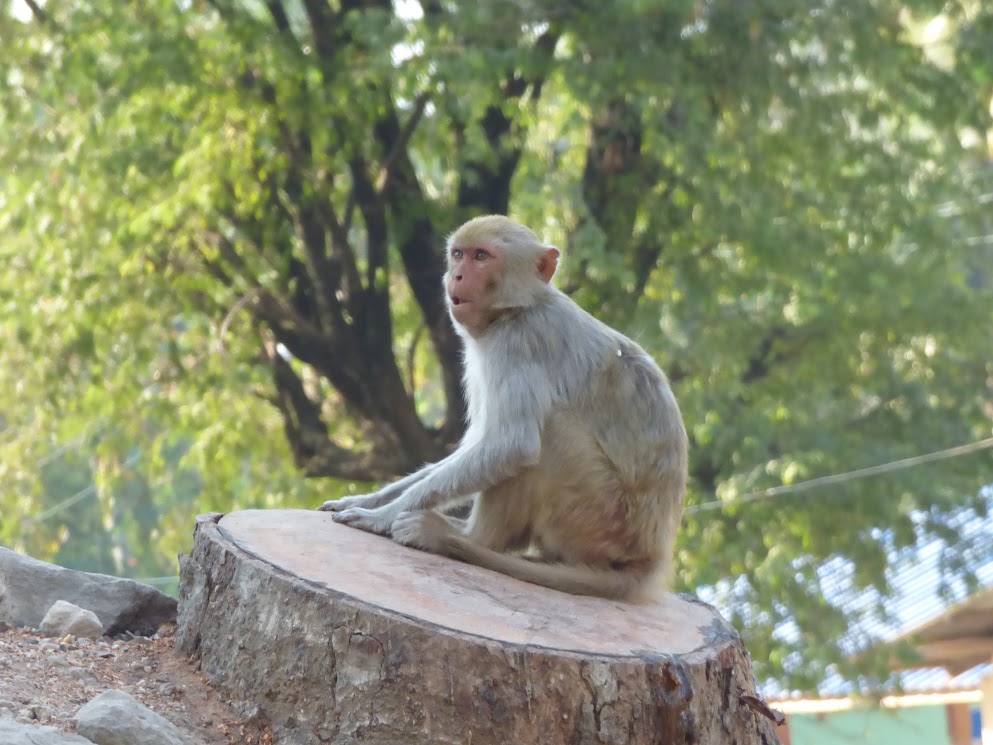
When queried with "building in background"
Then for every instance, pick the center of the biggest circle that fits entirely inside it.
(945, 695)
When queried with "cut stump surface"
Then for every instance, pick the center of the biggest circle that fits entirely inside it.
(345, 637)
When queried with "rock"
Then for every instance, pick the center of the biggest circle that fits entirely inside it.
(247, 711)
(28, 588)
(115, 718)
(65, 618)
(40, 712)
(12, 733)
(401, 646)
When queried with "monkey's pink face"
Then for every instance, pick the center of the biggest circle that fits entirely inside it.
(474, 273)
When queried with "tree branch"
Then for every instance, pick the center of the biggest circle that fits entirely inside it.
(423, 264)
(399, 145)
(488, 187)
(222, 11)
(36, 11)
(322, 22)
(394, 402)
(376, 323)
(323, 272)
(278, 13)
(313, 450)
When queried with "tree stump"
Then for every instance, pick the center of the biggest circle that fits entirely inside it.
(345, 637)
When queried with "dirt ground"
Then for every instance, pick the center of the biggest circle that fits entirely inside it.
(47, 680)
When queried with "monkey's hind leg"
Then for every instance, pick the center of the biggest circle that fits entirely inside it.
(424, 529)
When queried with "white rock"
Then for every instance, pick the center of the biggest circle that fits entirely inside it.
(12, 733)
(40, 712)
(115, 718)
(65, 618)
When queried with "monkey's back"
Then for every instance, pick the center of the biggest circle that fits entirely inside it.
(620, 395)
(614, 437)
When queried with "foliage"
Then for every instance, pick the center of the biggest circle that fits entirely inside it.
(222, 225)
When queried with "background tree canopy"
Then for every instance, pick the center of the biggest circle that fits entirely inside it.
(222, 248)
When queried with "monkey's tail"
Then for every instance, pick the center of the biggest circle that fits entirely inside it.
(632, 581)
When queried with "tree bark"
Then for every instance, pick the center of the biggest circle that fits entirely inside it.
(345, 637)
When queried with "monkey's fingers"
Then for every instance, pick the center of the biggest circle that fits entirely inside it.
(343, 503)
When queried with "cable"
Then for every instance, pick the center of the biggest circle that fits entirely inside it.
(843, 477)
(77, 497)
(60, 451)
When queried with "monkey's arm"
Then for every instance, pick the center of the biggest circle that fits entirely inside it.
(468, 470)
(477, 467)
(384, 496)
(508, 442)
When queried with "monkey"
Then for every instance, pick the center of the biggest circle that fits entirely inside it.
(575, 452)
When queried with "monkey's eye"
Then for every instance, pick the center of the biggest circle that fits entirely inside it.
(481, 255)
(457, 254)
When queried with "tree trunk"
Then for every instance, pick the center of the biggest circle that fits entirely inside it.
(345, 637)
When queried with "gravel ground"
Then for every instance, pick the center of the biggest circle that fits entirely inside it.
(47, 680)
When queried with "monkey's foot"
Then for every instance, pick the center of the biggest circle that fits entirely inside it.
(423, 529)
(373, 521)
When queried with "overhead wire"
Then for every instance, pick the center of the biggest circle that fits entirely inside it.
(840, 478)
(775, 491)
(77, 497)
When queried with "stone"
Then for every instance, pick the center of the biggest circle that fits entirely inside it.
(40, 712)
(247, 711)
(341, 636)
(65, 618)
(116, 718)
(13, 733)
(28, 588)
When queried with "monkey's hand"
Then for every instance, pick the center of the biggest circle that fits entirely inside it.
(367, 501)
(376, 521)
(423, 529)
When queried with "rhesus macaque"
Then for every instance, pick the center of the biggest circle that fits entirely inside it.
(575, 453)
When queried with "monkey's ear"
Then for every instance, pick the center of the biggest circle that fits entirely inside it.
(547, 263)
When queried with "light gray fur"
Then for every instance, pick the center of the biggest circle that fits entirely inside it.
(575, 452)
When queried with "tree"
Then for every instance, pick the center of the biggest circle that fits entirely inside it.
(226, 217)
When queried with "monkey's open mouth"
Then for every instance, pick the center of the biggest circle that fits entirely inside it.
(457, 301)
